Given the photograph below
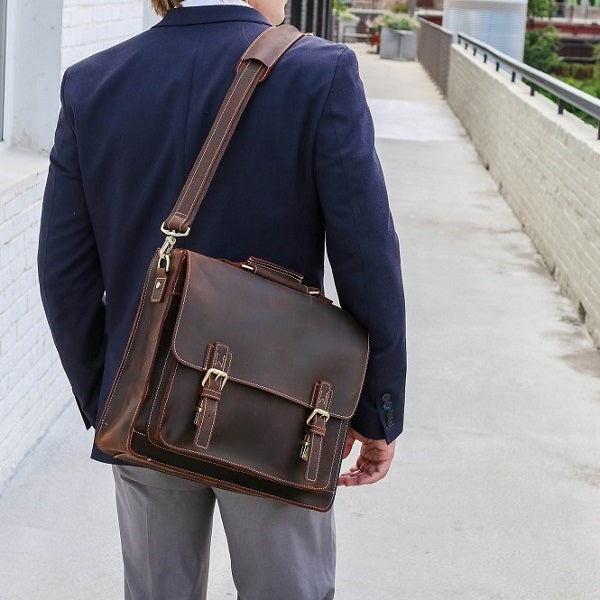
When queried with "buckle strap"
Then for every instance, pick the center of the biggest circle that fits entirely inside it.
(316, 428)
(217, 363)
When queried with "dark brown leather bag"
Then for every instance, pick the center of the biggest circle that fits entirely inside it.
(235, 375)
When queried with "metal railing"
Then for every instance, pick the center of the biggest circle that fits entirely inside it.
(537, 80)
(433, 51)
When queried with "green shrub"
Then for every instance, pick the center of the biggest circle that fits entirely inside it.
(589, 86)
(399, 7)
(596, 75)
(345, 14)
(541, 8)
(541, 47)
(340, 10)
(398, 22)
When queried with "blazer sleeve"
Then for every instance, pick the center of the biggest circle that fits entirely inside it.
(69, 271)
(362, 246)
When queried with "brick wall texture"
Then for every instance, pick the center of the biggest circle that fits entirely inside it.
(547, 167)
(33, 388)
(89, 26)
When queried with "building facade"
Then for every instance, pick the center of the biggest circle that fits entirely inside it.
(39, 40)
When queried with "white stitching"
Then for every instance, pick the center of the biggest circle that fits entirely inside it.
(326, 403)
(227, 484)
(132, 340)
(242, 468)
(226, 365)
(226, 103)
(227, 129)
(316, 452)
(155, 399)
(251, 383)
(143, 396)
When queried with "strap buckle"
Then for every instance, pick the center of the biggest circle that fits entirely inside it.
(218, 374)
(168, 244)
(320, 412)
(305, 447)
(173, 233)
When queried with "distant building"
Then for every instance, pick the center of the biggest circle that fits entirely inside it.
(498, 23)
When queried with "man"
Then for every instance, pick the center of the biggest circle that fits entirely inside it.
(300, 164)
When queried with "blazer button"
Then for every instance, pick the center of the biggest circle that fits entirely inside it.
(386, 399)
(390, 418)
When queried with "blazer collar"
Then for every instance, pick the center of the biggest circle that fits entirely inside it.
(195, 15)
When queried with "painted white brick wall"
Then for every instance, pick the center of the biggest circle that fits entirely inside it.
(33, 388)
(547, 167)
(90, 26)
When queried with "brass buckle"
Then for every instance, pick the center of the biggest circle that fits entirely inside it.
(305, 446)
(172, 232)
(168, 244)
(218, 375)
(320, 412)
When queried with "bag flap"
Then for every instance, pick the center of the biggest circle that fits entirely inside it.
(282, 341)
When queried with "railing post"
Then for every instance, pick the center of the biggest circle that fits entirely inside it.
(565, 94)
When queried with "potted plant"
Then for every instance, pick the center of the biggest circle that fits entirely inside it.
(398, 37)
(343, 20)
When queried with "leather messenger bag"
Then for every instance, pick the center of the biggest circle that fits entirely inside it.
(236, 375)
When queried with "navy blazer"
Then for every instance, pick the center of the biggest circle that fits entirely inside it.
(300, 166)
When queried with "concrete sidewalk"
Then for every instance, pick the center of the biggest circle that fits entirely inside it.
(495, 493)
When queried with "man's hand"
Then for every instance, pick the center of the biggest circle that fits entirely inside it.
(372, 464)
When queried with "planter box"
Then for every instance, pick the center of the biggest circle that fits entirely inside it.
(397, 44)
(344, 27)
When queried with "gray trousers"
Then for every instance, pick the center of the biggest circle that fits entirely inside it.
(278, 552)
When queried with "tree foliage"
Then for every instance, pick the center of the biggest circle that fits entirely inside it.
(591, 85)
(541, 48)
(398, 21)
(540, 8)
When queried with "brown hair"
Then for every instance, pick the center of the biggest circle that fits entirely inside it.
(162, 7)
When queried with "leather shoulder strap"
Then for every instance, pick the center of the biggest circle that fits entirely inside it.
(253, 67)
